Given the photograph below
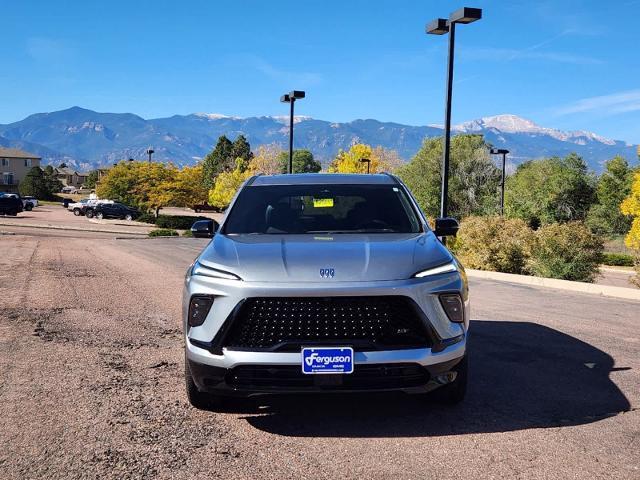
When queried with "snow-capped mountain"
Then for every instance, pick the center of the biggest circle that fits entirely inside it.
(87, 139)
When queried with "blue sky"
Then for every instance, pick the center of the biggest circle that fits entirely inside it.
(565, 64)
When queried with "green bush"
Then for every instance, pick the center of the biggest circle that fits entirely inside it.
(180, 222)
(163, 232)
(494, 243)
(187, 233)
(618, 259)
(147, 218)
(567, 251)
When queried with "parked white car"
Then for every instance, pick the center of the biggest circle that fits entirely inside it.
(32, 200)
(80, 208)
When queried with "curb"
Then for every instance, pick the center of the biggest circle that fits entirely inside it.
(617, 270)
(54, 227)
(590, 288)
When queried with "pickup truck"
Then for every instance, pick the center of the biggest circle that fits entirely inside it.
(10, 204)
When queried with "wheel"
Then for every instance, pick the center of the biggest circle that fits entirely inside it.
(454, 392)
(198, 399)
(76, 212)
(89, 213)
(128, 217)
(99, 215)
(28, 207)
(14, 213)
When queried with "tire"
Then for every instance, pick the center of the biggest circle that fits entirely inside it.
(198, 399)
(28, 207)
(89, 213)
(128, 218)
(454, 392)
(13, 213)
(99, 216)
(77, 212)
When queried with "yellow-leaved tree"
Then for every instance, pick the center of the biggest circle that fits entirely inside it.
(137, 184)
(265, 160)
(226, 185)
(351, 161)
(631, 206)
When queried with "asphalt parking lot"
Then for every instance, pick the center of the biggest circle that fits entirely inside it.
(92, 386)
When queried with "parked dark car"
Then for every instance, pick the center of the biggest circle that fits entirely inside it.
(10, 204)
(112, 210)
(203, 207)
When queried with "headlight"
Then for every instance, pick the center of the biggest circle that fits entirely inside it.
(199, 269)
(448, 267)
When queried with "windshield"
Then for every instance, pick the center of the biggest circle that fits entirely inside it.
(285, 209)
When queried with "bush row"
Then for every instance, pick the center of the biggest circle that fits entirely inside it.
(163, 232)
(568, 251)
(178, 222)
(618, 259)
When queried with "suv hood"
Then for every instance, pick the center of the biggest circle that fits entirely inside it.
(299, 258)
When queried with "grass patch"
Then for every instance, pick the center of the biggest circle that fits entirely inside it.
(617, 259)
(187, 233)
(163, 232)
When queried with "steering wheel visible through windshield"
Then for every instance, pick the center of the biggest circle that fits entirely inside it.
(300, 209)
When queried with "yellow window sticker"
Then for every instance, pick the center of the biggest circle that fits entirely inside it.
(322, 202)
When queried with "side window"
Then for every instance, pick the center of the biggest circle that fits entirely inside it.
(5, 162)
(27, 162)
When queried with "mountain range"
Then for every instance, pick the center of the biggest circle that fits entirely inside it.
(86, 139)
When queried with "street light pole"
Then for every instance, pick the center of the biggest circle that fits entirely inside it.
(291, 98)
(368, 162)
(446, 143)
(503, 152)
(440, 26)
(150, 151)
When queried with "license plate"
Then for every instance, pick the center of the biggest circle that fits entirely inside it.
(327, 360)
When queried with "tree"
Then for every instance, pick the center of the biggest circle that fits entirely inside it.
(141, 184)
(614, 185)
(240, 149)
(53, 184)
(216, 161)
(631, 206)
(550, 190)
(350, 161)
(186, 188)
(473, 177)
(223, 158)
(92, 179)
(227, 184)
(266, 160)
(302, 162)
(35, 185)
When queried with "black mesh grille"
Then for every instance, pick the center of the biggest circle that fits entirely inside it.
(287, 324)
(364, 377)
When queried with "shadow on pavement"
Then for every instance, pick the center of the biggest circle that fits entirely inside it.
(523, 375)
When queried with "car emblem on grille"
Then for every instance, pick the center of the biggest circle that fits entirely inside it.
(327, 272)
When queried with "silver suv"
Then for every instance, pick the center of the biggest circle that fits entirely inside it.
(324, 282)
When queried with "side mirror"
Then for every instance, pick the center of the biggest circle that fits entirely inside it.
(446, 227)
(204, 228)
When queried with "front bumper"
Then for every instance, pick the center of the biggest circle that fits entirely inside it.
(370, 375)
(220, 372)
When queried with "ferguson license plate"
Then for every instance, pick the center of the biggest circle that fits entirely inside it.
(327, 360)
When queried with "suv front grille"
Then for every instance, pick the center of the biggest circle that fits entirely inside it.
(287, 324)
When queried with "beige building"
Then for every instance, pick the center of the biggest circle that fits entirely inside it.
(14, 166)
(70, 178)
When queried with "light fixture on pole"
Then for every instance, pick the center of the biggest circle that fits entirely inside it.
(291, 98)
(440, 26)
(503, 152)
(150, 151)
(367, 161)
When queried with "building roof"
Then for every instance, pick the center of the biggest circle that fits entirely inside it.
(325, 179)
(16, 153)
(69, 171)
